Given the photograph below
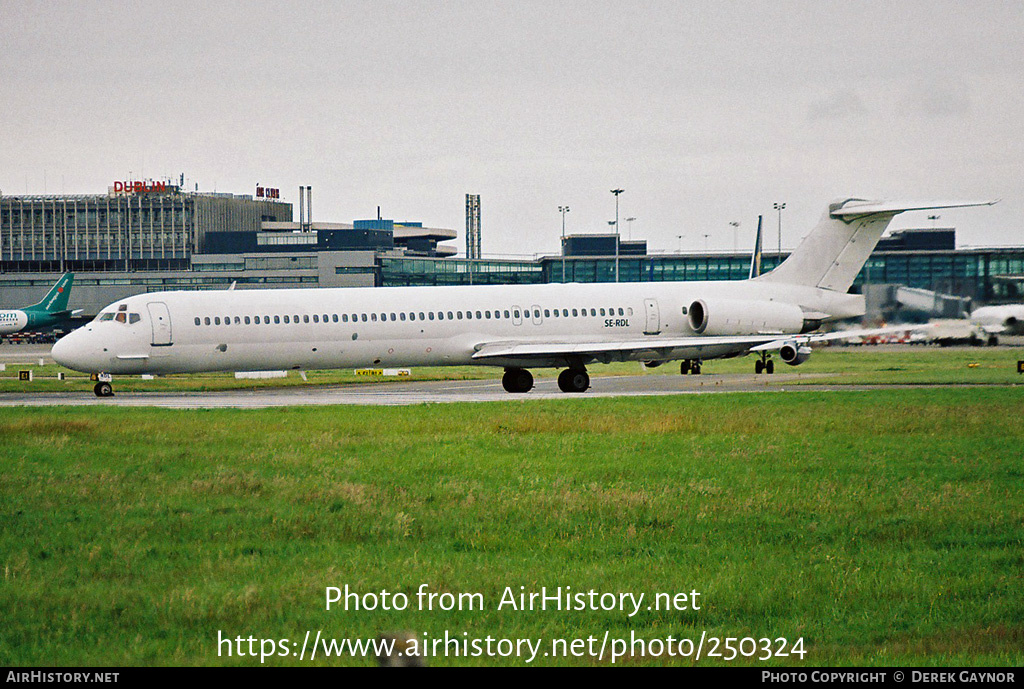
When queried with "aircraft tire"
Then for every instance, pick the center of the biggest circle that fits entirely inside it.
(769, 367)
(103, 390)
(573, 380)
(517, 380)
(758, 367)
(684, 367)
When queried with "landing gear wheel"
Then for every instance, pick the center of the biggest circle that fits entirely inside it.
(769, 367)
(573, 380)
(103, 390)
(695, 368)
(758, 367)
(764, 364)
(684, 367)
(517, 380)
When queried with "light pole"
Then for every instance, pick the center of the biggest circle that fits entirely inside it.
(735, 236)
(779, 207)
(629, 224)
(680, 238)
(563, 210)
(617, 192)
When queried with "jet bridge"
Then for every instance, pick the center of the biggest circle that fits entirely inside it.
(898, 302)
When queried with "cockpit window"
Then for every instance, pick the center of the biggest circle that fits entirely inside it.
(134, 318)
(106, 316)
(121, 317)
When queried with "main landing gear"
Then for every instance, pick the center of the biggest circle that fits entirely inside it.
(569, 380)
(573, 380)
(764, 364)
(517, 380)
(690, 366)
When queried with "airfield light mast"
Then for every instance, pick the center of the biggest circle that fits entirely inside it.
(617, 192)
(563, 210)
(779, 207)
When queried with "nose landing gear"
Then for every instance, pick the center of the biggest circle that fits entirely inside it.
(103, 388)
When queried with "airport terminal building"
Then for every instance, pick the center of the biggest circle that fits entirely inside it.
(154, 236)
(147, 237)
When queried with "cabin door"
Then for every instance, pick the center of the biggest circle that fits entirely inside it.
(652, 326)
(160, 318)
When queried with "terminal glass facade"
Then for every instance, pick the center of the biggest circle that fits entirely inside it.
(666, 268)
(453, 271)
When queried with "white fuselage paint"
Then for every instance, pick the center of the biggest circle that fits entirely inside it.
(12, 321)
(115, 347)
(1007, 319)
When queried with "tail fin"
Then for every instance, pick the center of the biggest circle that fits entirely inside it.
(57, 298)
(755, 258)
(835, 251)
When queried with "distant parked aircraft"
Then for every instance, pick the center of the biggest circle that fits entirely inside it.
(1007, 319)
(52, 310)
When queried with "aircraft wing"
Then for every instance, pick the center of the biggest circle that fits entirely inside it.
(663, 347)
(653, 348)
(811, 338)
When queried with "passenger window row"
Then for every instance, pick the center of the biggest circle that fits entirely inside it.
(412, 316)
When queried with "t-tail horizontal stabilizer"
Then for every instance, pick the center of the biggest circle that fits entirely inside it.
(838, 247)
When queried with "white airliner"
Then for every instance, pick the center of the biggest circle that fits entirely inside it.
(1007, 319)
(514, 326)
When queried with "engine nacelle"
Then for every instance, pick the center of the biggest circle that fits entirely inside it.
(739, 317)
(794, 354)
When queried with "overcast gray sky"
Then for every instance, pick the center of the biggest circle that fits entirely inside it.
(704, 112)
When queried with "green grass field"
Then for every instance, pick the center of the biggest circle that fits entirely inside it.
(882, 527)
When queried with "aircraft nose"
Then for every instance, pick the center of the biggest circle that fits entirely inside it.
(67, 354)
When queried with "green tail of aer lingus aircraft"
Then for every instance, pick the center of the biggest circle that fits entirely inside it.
(52, 310)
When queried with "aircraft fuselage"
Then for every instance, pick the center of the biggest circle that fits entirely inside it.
(175, 332)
